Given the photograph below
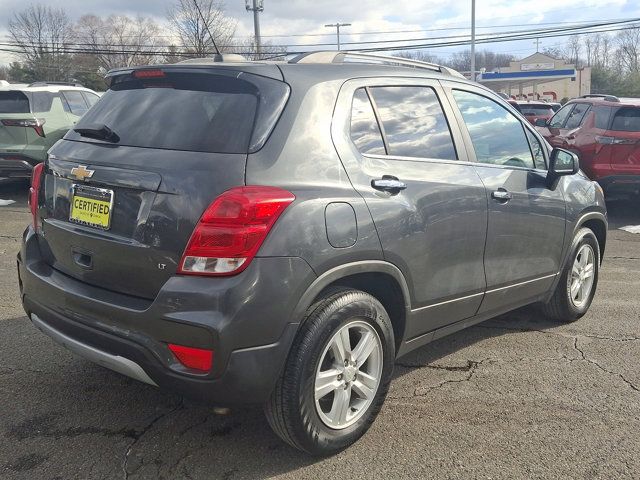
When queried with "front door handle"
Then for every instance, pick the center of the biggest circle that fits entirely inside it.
(501, 195)
(388, 183)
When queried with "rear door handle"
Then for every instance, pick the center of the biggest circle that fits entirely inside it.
(388, 183)
(501, 195)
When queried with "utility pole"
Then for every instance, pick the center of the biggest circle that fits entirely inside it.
(337, 26)
(537, 45)
(256, 6)
(473, 40)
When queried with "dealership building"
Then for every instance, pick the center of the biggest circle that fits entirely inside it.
(539, 77)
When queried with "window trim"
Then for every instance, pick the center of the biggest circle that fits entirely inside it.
(450, 85)
(584, 115)
(572, 106)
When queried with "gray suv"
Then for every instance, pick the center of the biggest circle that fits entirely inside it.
(280, 233)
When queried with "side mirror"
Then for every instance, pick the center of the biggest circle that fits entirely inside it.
(540, 122)
(562, 162)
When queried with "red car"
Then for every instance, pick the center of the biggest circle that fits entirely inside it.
(534, 111)
(605, 133)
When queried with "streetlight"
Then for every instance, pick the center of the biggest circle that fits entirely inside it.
(255, 6)
(337, 26)
(473, 40)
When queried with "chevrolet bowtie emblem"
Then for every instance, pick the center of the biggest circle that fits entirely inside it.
(81, 172)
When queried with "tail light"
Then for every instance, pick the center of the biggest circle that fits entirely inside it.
(35, 123)
(191, 357)
(231, 230)
(603, 140)
(34, 190)
(149, 73)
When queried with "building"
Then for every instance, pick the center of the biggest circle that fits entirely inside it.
(539, 77)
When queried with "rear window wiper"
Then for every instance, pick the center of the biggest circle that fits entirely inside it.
(99, 131)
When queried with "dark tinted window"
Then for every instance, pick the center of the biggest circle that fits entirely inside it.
(561, 115)
(90, 98)
(365, 131)
(13, 102)
(182, 111)
(76, 102)
(626, 120)
(576, 116)
(536, 109)
(497, 135)
(602, 114)
(537, 149)
(413, 122)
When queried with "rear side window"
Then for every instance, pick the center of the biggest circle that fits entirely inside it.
(577, 114)
(602, 114)
(90, 98)
(43, 101)
(200, 112)
(365, 132)
(626, 119)
(13, 102)
(76, 102)
(559, 118)
(497, 135)
(413, 122)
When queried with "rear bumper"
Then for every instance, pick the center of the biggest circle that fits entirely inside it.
(14, 166)
(130, 335)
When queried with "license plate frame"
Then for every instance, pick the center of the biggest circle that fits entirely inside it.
(98, 196)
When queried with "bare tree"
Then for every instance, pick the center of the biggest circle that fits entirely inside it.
(193, 21)
(119, 40)
(268, 51)
(629, 49)
(574, 49)
(42, 35)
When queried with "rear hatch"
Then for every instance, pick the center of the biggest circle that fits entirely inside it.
(14, 106)
(621, 142)
(125, 188)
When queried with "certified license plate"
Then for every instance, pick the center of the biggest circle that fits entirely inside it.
(91, 206)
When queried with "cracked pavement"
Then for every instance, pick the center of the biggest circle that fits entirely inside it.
(514, 397)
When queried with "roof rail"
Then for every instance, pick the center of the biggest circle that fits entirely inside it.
(325, 56)
(44, 84)
(607, 98)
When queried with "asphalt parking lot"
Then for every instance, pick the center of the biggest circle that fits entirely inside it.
(515, 397)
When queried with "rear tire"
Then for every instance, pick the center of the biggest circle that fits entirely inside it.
(345, 347)
(577, 285)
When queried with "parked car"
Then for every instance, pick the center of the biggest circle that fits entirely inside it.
(34, 117)
(534, 111)
(280, 233)
(555, 106)
(515, 104)
(604, 131)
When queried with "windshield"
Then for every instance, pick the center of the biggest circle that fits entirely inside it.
(536, 109)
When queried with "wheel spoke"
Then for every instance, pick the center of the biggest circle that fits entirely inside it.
(362, 390)
(327, 382)
(588, 270)
(341, 346)
(575, 289)
(363, 349)
(340, 407)
(575, 271)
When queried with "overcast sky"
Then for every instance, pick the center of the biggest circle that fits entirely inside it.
(309, 16)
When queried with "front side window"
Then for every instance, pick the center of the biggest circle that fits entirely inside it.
(497, 135)
(537, 149)
(559, 118)
(365, 132)
(414, 123)
(90, 98)
(577, 114)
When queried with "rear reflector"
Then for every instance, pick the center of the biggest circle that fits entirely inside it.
(232, 229)
(196, 358)
(155, 73)
(34, 190)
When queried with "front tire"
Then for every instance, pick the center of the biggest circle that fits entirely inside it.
(337, 374)
(577, 285)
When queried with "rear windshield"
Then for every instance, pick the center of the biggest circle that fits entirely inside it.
(14, 102)
(185, 111)
(626, 120)
(537, 109)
